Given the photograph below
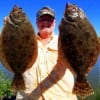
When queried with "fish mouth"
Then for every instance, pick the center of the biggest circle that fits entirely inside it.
(16, 9)
(17, 15)
(73, 11)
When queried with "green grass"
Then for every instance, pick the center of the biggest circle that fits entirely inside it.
(5, 84)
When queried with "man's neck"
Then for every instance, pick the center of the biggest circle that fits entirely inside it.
(45, 36)
(45, 39)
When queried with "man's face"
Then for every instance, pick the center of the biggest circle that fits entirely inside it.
(46, 24)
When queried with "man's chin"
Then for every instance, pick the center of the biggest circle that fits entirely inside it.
(46, 30)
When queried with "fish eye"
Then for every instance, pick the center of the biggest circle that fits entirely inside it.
(74, 9)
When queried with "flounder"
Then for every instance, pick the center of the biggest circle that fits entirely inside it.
(78, 45)
(18, 46)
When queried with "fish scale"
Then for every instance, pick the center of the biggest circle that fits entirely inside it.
(78, 45)
(19, 46)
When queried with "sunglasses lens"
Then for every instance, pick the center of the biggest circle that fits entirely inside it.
(46, 19)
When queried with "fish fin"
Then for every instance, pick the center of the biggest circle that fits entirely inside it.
(2, 56)
(82, 89)
(18, 82)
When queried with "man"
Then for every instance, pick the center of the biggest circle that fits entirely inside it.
(49, 78)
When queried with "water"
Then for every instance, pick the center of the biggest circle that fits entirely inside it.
(93, 78)
(6, 71)
(94, 75)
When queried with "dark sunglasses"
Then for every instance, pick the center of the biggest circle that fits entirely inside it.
(49, 19)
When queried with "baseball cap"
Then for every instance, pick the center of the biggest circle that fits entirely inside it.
(45, 11)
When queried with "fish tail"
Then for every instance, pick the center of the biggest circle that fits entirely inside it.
(82, 89)
(18, 82)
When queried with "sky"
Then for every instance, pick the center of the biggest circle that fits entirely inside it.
(91, 8)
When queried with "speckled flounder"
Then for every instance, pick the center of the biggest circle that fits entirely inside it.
(78, 45)
(19, 45)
